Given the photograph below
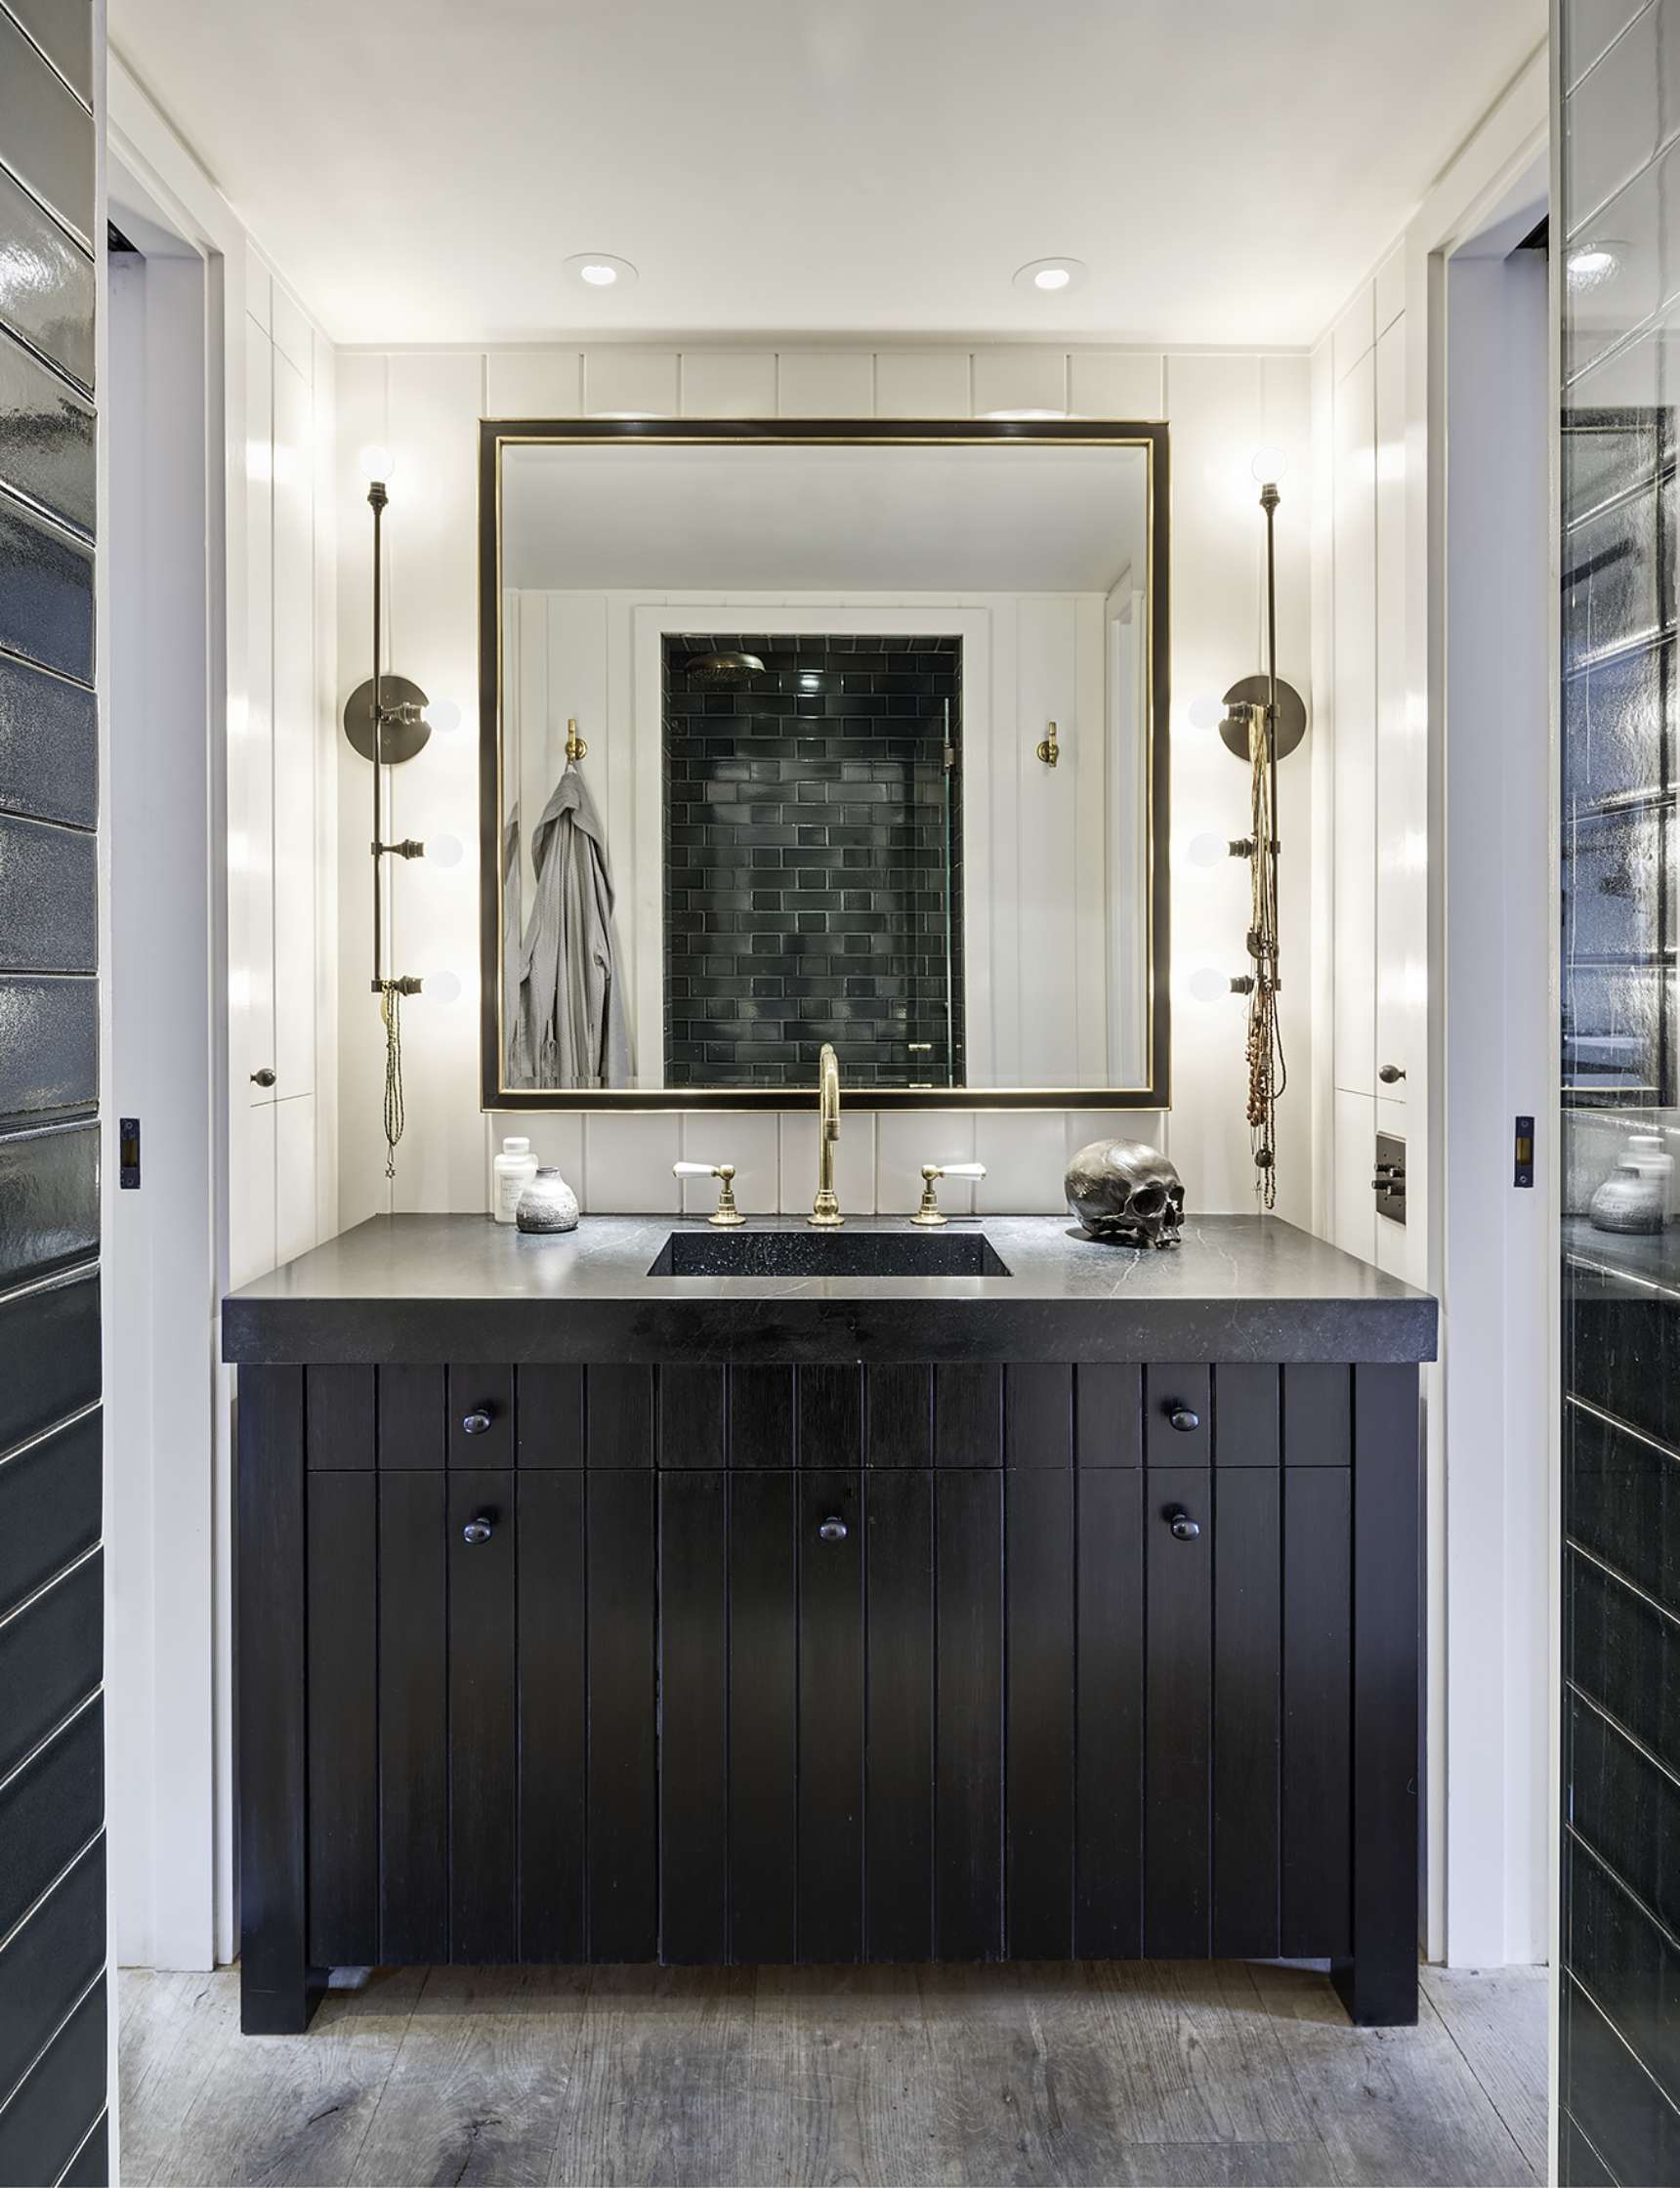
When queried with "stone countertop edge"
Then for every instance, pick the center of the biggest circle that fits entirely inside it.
(458, 1288)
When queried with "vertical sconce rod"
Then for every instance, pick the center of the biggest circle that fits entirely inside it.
(376, 499)
(1269, 498)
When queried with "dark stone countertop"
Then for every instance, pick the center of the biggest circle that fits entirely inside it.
(436, 1288)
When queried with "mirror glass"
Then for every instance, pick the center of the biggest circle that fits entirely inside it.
(866, 748)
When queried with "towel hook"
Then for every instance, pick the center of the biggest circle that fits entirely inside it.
(575, 748)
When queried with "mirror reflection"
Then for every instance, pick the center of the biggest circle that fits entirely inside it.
(842, 743)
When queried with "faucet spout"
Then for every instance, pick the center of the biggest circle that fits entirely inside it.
(825, 1208)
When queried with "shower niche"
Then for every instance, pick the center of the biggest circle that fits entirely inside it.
(807, 735)
(813, 866)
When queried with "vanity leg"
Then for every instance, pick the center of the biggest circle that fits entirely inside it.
(278, 1989)
(1378, 1983)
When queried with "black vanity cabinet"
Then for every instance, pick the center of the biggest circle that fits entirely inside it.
(827, 1664)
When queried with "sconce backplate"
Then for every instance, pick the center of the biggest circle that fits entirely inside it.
(402, 740)
(1250, 691)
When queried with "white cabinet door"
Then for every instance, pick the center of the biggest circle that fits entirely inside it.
(294, 737)
(1355, 564)
(1352, 1215)
(251, 786)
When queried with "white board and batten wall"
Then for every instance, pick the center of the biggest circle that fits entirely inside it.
(425, 407)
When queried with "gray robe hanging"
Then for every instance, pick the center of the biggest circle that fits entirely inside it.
(571, 1027)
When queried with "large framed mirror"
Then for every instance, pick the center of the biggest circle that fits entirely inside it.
(823, 733)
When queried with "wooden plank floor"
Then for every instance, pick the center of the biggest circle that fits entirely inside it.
(1162, 2075)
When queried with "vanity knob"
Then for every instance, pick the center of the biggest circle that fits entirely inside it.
(478, 1422)
(479, 1528)
(1391, 1075)
(1184, 1528)
(1183, 1418)
(264, 1077)
(832, 1531)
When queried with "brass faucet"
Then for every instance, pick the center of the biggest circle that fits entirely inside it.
(825, 1208)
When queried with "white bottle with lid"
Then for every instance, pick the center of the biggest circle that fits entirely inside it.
(514, 1169)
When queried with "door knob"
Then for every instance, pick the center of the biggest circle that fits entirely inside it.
(479, 1528)
(478, 1422)
(264, 1077)
(1182, 1417)
(1184, 1528)
(832, 1531)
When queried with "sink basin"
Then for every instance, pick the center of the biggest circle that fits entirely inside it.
(827, 1253)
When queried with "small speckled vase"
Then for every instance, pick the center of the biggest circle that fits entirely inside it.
(547, 1203)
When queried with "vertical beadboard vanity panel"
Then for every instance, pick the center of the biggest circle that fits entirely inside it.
(783, 1663)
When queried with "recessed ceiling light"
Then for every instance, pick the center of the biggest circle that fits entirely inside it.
(1051, 276)
(1595, 263)
(599, 270)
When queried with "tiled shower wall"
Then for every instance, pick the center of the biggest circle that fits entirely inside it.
(1618, 2061)
(808, 891)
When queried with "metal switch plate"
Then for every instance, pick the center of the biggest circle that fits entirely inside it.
(1389, 1182)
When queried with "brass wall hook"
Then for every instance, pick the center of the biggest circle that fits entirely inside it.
(1049, 751)
(575, 748)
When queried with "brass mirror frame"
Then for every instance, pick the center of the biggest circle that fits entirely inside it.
(497, 434)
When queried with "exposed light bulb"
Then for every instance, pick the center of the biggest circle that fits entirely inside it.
(1207, 984)
(375, 462)
(1208, 849)
(442, 987)
(442, 715)
(1205, 712)
(1270, 465)
(445, 851)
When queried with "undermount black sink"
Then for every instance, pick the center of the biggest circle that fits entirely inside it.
(827, 1253)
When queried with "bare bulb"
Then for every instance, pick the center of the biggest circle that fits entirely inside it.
(1207, 850)
(1207, 984)
(1269, 465)
(1205, 712)
(442, 987)
(375, 462)
(441, 715)
(444, 851)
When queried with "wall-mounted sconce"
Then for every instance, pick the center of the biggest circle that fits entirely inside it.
(1265, 720)
(389, 720)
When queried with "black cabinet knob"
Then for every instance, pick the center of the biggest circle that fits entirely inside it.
(264, 1077)
(832, 1531)
(1183, 1418)
(478, 1422)
(479, 1528)
(1184, 1528)
(1391, 1075)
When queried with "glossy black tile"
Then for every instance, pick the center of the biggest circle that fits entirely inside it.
(49, 1356)
(50, 1962)
(46, 284)
(46, 593)
(49, 745)
(63, 30)
(1614, 2101)
(1621, 1501)
(1630, 1968)
(46, 133)
(1625, 1809)
(49, 1201)
(44, 2127)
(46, 437)
(49, 1046)
(53, 1805)
(50, 1659)
(50, 1506)
(49, 898)
(1624, 1654)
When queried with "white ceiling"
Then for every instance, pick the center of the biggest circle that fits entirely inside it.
(949, 520)
(1228, 168)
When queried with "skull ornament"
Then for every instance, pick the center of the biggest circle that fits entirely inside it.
(1126, 1192)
